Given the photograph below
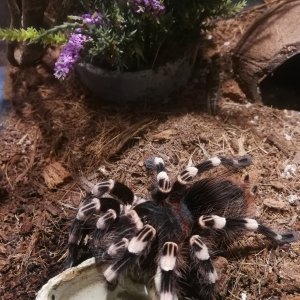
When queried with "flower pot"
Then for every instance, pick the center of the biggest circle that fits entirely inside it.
(86, 282)
(121, 87)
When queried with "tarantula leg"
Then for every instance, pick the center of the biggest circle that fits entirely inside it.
(128, 225)
(81, 226)
(117, 248)
(200, 253)
(162, 178)
(221, 223)
(165, 275)
(88, 207)
(134, 219)
(75, 236)
(106, 219)
(136, 247)
(114, 188)
(190, 172)
(203, 268)
(114, 251)
(104, 222)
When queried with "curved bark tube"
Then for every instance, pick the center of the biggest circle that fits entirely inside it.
(26, 13)
(15, 17)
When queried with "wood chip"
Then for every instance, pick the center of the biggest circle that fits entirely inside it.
(221, 263)
(277, 185)
(281, 144)
(27, 226)
(2, 250)
(291, 271)
(55, 174)
(240, 144)
(163, 135)
(52, 209)
(296, 159)
(275, 204)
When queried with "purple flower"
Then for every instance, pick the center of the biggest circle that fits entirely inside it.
(153, 6)
(69, 55)
(92, 19)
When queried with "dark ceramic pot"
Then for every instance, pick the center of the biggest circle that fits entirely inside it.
(115, 86)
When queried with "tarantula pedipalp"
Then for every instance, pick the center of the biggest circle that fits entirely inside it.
(173, 236)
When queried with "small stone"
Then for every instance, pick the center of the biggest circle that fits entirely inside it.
(288, 137)
(243, 296)
(293, 199)
(289, 171)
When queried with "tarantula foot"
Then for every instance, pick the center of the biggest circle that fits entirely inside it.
(238, 162)
(187, 175)
(212, 221)
(286, 238)
(111, 286)
(117, 248)
(164, 183)
(71, 262)
(103, 187)
(150, 163)
(243, 161)
(155, 163)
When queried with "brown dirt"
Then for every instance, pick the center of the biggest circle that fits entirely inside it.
(56, 130)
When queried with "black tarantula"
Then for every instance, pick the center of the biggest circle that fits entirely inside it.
(173, 236)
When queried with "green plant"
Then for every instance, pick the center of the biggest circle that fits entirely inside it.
(127, 35)
(33, 35)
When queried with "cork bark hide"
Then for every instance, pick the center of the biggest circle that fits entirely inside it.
(271, 40)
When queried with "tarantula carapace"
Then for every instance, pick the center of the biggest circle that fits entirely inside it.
(172, 237)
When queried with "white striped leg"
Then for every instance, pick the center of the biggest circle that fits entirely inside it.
(89, 206)
(117, 248)
(202, 257)
(134, 219)
(136, 247)
(106, 219)
(114, 251)
(190, 172)
(165, 276)
(115, 188)
(129, 224)
(82, 225)
(104, 222)
(221, 223)
(162, 178)
(75, 237)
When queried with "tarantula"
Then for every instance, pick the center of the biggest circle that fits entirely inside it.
(173, 236)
